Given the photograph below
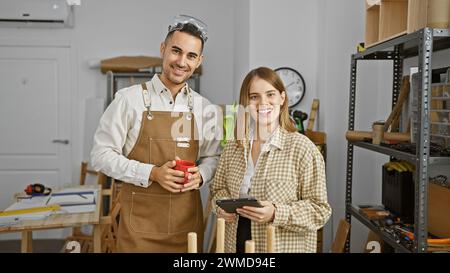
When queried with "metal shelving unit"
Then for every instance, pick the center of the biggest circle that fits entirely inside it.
(384, 235)
(399, 154)
(422, 44)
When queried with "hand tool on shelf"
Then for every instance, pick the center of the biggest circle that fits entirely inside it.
(353, 136)
(430, 241)
(394, 117)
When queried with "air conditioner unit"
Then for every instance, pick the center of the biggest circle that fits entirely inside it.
(36, 13)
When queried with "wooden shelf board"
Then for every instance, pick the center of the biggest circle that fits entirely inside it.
(387, 39)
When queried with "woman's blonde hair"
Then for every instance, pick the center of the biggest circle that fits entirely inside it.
(242, 129)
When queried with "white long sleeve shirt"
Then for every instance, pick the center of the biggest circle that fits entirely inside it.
(120, 125)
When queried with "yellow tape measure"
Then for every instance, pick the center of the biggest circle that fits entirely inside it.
(30, 210)
(360, 48)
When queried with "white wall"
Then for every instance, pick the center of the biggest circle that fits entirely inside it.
(241, 44)
(285, 33)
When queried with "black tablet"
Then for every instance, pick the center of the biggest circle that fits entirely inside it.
(230, 205)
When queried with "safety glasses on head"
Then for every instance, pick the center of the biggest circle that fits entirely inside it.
(181, 20)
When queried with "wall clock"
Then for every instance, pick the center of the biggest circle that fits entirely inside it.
(294, 84)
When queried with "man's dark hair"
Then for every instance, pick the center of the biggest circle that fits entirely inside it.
(189, 29)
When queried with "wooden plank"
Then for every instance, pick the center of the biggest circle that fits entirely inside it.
(438, 14)
(438, 210)
(372, 25)
(270, 238)
(27, 242)
(220, 237)
(97, 233)
(83, 172)
(192, 242)
(370, 4)
(341, 237)
(393, 18)
(317, 137)
(387, 39)
(249, 246)
(313, 114)
(394, 117)
(417, 15)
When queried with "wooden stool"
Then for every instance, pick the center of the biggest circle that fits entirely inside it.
(220, 239)
(192, 242)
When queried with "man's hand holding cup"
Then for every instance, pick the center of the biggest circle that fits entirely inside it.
(192, 177)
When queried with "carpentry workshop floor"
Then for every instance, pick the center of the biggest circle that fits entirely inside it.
(39, 246)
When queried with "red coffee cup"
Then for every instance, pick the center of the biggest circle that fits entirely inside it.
(183, 165)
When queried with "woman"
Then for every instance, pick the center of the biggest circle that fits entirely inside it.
(271, 161)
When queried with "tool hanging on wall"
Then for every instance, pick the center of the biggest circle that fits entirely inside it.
(313, 114)
(299, 117)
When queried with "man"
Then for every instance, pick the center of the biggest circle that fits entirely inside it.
(141, 134)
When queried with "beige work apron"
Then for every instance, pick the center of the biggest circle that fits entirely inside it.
(153, 219)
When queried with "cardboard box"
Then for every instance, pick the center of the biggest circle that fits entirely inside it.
(438, 210)
(387, 19)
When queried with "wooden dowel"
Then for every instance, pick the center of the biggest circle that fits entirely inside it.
(377, 132)
(249, 246)
(83, 173)
(27, 241)
(270, 239)
(362, 135)
(220, 244)
(312, 115)
(192, 242)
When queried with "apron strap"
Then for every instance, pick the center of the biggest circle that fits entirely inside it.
(147, 101)
(190, 102)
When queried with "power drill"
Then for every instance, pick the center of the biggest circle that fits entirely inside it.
(298, 117)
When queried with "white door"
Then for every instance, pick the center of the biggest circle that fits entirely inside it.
(35, 142)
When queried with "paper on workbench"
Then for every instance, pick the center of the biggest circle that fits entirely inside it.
(77, 209)
(27, 203)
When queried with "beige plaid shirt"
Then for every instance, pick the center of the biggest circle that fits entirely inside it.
(292, 177)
